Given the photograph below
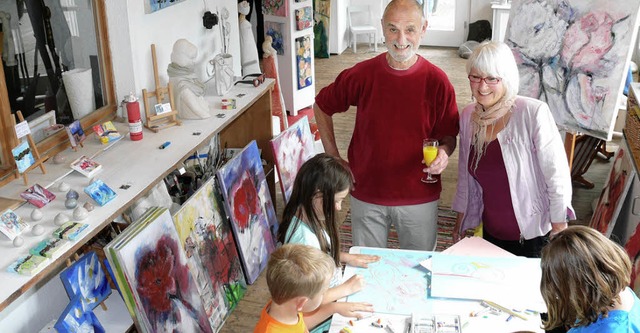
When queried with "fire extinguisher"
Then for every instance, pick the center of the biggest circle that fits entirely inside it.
(133, 115)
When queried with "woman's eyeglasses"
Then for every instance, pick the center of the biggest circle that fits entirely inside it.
(257, 80)
(488, 80)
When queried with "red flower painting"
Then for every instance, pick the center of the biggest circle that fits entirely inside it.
(245, 202)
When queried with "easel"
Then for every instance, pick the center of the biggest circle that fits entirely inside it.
(581, 150)
(39, 161)
(156, 122)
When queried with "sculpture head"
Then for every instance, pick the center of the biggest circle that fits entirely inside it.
(244, 8)
(184, 53)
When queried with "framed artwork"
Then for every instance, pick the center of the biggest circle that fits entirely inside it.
(206, 237)
(74, 319)
(304, 18)
(274, 29)
(86, 279)
(11, 224)
(249, 206)
(23, 156)
(574, 56)
(275, 7)
(303, 61)
(291, 148)
(37, 195)
(614, 191)
(151, 6)
(157, 276)
(76, 133)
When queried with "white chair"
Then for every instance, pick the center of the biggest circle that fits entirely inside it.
(361, 14)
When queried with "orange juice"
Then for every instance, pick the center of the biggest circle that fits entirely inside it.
(430, 153)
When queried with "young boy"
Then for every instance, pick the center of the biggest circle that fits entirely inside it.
(297, 277)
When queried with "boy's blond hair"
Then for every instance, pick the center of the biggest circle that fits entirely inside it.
(296, 270)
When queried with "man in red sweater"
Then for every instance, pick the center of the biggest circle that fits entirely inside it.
(401, 99)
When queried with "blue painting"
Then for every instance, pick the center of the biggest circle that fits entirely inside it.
(23, 156)
(574, 56)
(74, 319)
(383, 290)
(86, 278)
(151, 6)
(248, 203)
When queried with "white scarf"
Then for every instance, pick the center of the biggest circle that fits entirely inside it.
(482, 118)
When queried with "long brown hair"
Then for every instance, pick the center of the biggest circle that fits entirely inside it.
(583, 273)
(323, 175)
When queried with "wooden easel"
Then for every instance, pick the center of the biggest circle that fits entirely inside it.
(39, 161)
(581, 151)
(156, 122)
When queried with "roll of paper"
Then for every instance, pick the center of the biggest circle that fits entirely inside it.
(79, 86)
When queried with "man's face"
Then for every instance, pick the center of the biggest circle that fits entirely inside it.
(403, 29)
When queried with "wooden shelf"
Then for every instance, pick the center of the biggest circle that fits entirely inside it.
(139, 164)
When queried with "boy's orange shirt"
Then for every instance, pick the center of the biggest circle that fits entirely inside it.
(268, 324)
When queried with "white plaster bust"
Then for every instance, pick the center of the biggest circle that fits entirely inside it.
(188, 90)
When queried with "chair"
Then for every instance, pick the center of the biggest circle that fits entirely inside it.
(364, 28)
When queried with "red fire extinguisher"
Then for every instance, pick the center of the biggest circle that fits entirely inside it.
(133, 114)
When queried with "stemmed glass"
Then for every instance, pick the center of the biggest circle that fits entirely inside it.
(430, 151)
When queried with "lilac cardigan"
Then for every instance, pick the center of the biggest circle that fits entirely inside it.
(537, 170)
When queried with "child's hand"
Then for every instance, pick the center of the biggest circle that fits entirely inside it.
(358, 260)
(354, 284)
(353, 309)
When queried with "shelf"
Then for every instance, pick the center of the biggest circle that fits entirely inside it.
(139, 164)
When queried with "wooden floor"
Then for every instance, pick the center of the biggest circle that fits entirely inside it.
(245, 316)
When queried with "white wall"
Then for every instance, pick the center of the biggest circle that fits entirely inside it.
(131, 33)
(480, 10)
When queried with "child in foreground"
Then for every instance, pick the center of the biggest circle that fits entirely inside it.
(310, 218)
(297, 277)
(585, 278)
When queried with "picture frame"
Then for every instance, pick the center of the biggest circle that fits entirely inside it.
(44, 126)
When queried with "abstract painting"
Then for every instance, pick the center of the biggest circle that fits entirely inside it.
(274, 7)
(23, 156)
(151, 6)
(249, 206)
(614, 191)
(304, 18)
(206, 237)
(321, 27)
(382, 289)
(291, 148)
(156, 269)
(75, 319)
(274, 29)
(304, 62)
(86, 278)
(574, 55)
(633, 249)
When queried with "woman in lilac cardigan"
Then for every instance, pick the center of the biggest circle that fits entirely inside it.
(513, 174)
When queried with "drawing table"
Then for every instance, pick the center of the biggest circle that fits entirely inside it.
(397, 287)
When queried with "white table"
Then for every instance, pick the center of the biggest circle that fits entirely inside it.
(394, 286)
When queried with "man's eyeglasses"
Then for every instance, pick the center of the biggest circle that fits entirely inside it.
(488, 80)
(257, 80)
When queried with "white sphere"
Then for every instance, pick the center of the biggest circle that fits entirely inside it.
(80, 213)
(18, 241)
(37, 230)
(61, 219)
(36, 214)
(63, 187)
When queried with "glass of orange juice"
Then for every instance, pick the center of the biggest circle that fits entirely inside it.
(430, 151)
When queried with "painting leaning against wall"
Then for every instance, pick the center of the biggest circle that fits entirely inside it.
(573, 55)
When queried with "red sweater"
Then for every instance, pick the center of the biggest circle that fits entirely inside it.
(395, 111)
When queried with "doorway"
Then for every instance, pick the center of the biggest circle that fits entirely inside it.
(448, 22)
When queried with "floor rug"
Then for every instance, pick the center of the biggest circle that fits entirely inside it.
(446, 223)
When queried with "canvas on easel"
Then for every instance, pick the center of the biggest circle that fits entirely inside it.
(26, 156)
(575, 56)
(158, 121)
